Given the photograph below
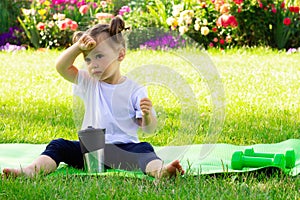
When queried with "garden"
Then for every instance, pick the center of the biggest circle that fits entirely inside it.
(212, 24)
(253, 46)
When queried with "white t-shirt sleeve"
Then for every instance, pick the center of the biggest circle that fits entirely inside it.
(80, 88)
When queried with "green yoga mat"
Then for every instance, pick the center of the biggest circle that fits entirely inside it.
(196, 159)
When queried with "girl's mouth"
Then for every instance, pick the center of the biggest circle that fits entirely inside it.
(96, 72)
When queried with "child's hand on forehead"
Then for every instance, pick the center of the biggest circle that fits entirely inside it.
(86, 43)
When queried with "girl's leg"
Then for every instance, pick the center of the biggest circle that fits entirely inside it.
(43, 163)
(142, 155)
(57, 151)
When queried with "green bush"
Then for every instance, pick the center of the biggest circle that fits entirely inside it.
(268, 22)
(224, 24)
(10, 10)
(253, 29)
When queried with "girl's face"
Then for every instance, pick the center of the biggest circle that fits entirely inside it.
(103, 62)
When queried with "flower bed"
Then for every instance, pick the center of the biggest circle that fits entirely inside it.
(211, 23)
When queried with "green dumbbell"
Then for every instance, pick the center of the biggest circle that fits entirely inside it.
(239, 160)
(290, 157)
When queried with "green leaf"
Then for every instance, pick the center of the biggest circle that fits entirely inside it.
(32, 34)
(35, 37)
(24, 28)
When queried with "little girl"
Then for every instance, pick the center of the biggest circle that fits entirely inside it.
(112, 102)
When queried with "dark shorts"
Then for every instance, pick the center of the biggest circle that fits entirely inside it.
(129, 156)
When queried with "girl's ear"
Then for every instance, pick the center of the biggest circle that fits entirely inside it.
(122, 54)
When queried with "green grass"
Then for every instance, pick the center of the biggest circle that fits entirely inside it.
(262, 106)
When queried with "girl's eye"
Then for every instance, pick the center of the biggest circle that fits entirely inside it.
(98, 56)
(87, 60)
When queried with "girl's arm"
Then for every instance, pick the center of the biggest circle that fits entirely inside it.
(64, 63)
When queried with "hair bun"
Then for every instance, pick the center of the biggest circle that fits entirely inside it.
(117, 25)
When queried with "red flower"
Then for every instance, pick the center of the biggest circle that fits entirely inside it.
(73, 26)
(63, 25)
(68, 21)
(222, 41)
(291, 8)
(226, 20)
(238, 1)
(214, 29)
(83, 9)
(282, 5)
(287, 21)
(40, 26)
(294, 9)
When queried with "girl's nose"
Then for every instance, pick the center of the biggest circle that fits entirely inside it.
(94, 65)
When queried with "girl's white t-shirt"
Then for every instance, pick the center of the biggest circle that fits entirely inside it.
(111, 107)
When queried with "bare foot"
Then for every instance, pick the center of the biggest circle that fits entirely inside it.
(42, 165)
(174, 168)
(11, 173)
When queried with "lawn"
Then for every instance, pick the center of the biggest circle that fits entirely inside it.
(261, 105)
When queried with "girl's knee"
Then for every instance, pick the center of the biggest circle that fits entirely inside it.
(56, 145)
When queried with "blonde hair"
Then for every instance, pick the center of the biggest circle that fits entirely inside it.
(113, 29)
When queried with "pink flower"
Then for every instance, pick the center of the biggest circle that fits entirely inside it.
(211, 44)
(124, 9)
(274, 10)
(215, 39)
(103, 4)
(40, 26)
(80, 3)
(83, 9)
(73, 26)
(287, 21)
(94, 5)
(228, 39)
